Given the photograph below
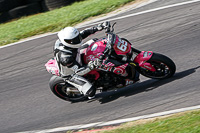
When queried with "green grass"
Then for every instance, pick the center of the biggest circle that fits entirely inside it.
(179, 123)
(55, 20)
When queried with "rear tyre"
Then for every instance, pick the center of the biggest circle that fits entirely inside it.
(32, 1)
(25, 10)
(165, 67)
(6, 5)
(64, 90)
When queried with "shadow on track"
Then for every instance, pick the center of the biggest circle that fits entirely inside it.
(148, 85)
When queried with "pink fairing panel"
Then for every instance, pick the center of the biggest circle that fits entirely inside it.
(94, 51)
(142, 58)
(52, 67)
(121, 47)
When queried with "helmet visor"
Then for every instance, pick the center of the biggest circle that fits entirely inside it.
(74, 41)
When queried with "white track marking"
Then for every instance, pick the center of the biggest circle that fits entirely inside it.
(130, 15)
(131, 7)
(99, 124)
(147, 11)
(79, 25)
(29, 39)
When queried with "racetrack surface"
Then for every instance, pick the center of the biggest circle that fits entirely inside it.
(28, 104)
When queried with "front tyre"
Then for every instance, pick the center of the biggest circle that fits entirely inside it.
(165, 67)
(64, 90)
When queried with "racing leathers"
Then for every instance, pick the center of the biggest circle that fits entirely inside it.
(70, 64)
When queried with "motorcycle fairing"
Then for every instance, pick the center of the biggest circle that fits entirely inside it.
(96, 50)
(52, 67)
(121, 47)
(142, 59)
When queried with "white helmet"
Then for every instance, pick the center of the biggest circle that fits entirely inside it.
(70, 37)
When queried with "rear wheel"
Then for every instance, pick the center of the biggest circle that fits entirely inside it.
(64, 90)
(165, 67)
(6, 5)
(25, 10)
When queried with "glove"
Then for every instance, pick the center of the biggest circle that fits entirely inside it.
(91, 65)
(103, 25)
(97, 63)
(94, 64)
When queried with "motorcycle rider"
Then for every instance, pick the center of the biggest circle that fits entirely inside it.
(66, 52)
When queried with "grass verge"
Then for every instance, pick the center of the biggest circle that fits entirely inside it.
(188, 122)
(55, 20)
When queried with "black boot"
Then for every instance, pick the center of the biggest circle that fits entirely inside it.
(91, 93)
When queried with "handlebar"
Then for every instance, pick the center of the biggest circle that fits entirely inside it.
(108, 28)
(108, 49)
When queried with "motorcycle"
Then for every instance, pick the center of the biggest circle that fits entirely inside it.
(120, 61)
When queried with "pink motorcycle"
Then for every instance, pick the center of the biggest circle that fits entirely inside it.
(119, 62)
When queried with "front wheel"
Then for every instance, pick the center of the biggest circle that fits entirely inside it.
(64, 90)
(165, 67)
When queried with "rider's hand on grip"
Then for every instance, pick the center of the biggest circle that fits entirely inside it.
(91, 65)
(99, 27)
(98, 63)
(104, 25)
(95, 64)
(107, 26)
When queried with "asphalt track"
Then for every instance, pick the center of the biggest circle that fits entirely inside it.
(27, 103)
